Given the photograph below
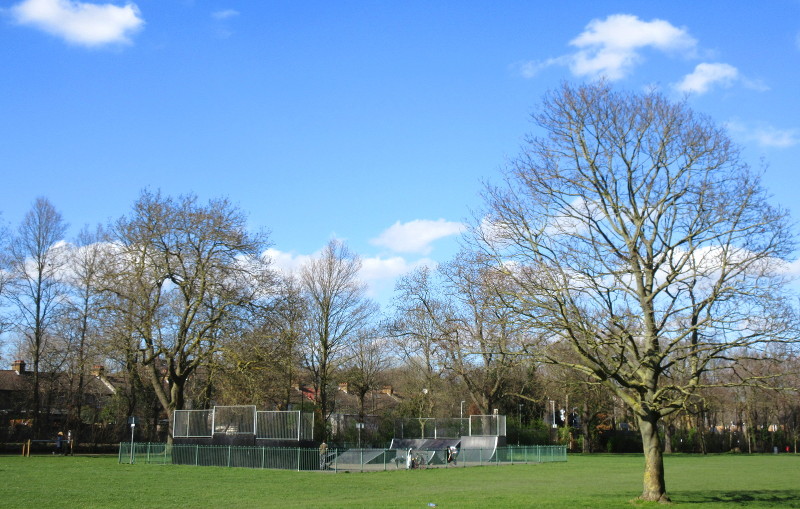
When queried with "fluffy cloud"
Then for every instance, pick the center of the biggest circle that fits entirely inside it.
(611, 47)
(287, 263)
(379, 274)
(81, 23)
(768, 136)
(765, 135)
(705, 76)
(416, 236)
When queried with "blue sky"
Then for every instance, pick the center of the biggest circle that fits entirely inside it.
(374, 122)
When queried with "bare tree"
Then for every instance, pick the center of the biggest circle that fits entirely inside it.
(419, 328)
(82, 326)
(337, 312)
(452, 320)
(5, 276)
(485, 343)
(182, 270)
(632, 232)
(37, 291)
(367, 363)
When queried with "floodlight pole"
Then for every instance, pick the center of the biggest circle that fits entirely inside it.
(462, 409)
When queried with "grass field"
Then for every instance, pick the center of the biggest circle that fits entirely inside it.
(595, 481)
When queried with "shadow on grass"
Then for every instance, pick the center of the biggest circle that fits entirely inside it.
(760, 498)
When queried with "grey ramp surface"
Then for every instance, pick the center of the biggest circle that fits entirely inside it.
(477, 449)
(358, 456)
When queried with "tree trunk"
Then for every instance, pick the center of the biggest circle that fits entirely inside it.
(668, 439)
(654, 486)
(585, 418)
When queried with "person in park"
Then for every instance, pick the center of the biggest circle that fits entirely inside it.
(452, 452)
(323, 455)
(59, 443)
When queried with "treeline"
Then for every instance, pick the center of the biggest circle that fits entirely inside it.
(179, 306)
(628, 270)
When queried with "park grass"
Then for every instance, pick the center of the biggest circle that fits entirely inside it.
(592, 481)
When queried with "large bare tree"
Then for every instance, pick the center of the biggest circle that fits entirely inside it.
(452, 318)
(337, 311)
(81, 320)
(37, 291)
(631, 231)
(183, 268)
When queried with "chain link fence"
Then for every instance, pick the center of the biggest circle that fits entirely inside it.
(333, 460)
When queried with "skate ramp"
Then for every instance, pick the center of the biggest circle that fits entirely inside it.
(407, 443)
(423, 444)
(479, 449)
(356, 457)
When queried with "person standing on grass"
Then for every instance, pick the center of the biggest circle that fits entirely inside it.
(323, 455)
(60, 443)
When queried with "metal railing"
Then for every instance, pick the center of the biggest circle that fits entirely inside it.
(243, 420)
(332, 460)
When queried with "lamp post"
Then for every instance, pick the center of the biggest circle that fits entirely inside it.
(462, 409)
(519, 417)
(553, 411)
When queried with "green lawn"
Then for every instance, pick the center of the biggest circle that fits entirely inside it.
(584, 481)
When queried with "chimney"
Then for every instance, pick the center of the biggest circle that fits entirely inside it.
(98, 370)
(18, 366)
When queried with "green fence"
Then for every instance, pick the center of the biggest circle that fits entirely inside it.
(334, 460)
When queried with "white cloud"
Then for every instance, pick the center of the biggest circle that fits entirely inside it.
(768, 136)
(706, 75)
(611, 47)
(379, 274)
(765, 135)
(792, 268)
(227, 13)
(532, 68)
(416, 236)
(81, 23)
(288, 263)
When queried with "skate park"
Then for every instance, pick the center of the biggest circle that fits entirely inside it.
(241, 436)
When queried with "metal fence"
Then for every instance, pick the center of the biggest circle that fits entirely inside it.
(243, 420)
(487, 425)
(193, 423)
(333, 460)
(283, 425)
(452, 427)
